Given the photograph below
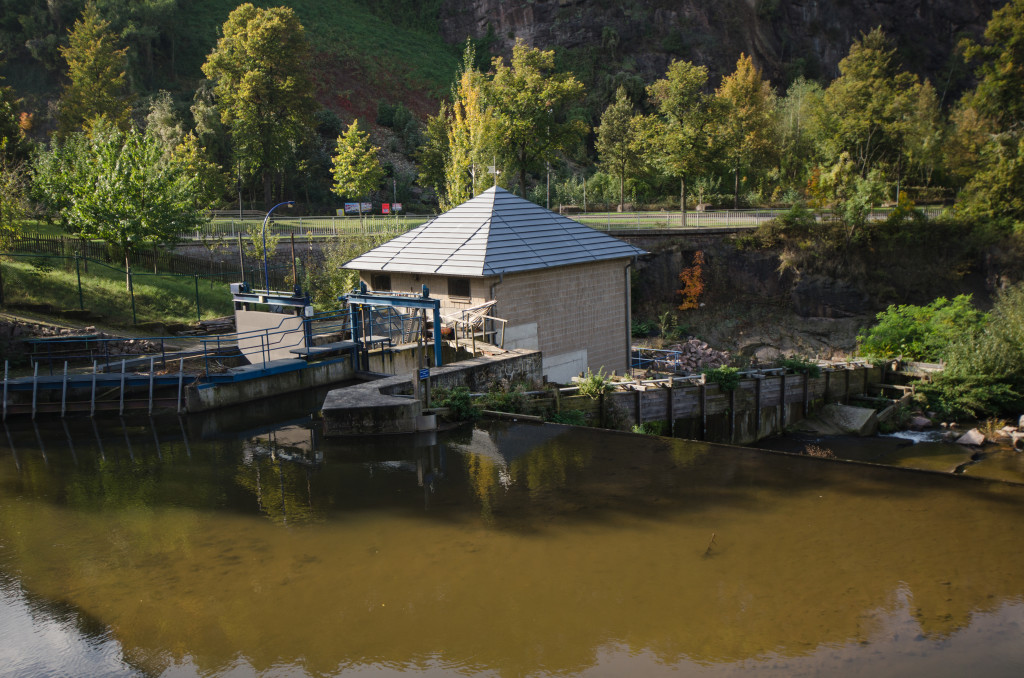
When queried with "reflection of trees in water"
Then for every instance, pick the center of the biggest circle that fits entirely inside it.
(483, 476)
(548, 466)
(280, 479)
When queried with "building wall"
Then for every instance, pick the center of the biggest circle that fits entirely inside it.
(480, 291)
(576, 314)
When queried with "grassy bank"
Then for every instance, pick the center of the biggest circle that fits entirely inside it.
(167, 299)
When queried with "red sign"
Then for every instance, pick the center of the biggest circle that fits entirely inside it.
(385, 208)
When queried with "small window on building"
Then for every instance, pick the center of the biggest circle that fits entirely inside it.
(381, 282)
(458, 287)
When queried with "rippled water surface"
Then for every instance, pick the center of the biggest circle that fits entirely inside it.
(205, 548)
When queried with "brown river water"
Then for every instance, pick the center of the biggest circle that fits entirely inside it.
(174, 548)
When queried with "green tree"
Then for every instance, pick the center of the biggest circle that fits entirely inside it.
(14, 147)
(163, 121)
(620, 140)
(116, 185)
(873, 110)
(799, 130)
(533, 107)
(210, 181)
(432, 155)
(260, 70)
(13, 201)
(989, 142)
(97, 85)
(685, 135)
(748, 119)
(355, 166)
(472, 132)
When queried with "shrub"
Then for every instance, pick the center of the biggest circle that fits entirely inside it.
(727, 378)
(595, 384)
(505, 398)
(459, 401)
(800, 366)
(641, 328)
(920, 332)
(650, 428)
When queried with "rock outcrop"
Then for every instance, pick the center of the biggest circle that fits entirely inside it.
(785, 37)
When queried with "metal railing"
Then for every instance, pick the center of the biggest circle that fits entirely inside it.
(752, 218)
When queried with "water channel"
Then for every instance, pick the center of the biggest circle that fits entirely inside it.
(245, 545)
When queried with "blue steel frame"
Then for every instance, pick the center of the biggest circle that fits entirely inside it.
(364, 298)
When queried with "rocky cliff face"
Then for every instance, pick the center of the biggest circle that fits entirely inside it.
(786, 38)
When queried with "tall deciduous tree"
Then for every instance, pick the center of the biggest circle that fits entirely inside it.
(433, 154)
(990, 122)
(533, 106)
(13, 201)
(874, 110)
(619, 140)
(472, 134)
(688, 113)
(356, 168)
(748, 119)
(97, 85)
(117, 186)
(262, 87)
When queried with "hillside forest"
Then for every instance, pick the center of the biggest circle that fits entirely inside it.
(246, 100)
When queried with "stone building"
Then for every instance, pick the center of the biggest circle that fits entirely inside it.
(562, 287)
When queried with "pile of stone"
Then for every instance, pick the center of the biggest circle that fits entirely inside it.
(1007, 434)
(690, 357)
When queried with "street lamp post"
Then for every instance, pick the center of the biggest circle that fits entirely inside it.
(266, 268)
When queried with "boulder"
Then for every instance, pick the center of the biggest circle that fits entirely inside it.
(919, 423)
(973, 437)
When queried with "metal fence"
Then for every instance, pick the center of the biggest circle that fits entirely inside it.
(312, 226)
(610, 221)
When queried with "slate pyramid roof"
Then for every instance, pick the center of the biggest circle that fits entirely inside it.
(496, 232)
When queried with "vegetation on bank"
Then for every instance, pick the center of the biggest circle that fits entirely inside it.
(983, 353)
(52, 289)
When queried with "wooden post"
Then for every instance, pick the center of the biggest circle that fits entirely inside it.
(671, 407)
(703, 411)
(782, 401)
(92, 400)
(35, 379)
(807, 402)
(181, 382)
(757, 407)
(120, 407)
(732, 416)
(64, 391)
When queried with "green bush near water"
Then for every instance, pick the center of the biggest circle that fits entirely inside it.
(984, 372)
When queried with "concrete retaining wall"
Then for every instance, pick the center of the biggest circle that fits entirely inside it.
(275, 383)
(385, 406)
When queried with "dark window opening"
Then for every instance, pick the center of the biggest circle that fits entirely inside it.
(458, 287)
(381, 282)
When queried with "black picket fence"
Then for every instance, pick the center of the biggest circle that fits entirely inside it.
(159, 260)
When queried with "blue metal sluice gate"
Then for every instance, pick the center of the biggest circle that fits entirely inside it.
(290, 337)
